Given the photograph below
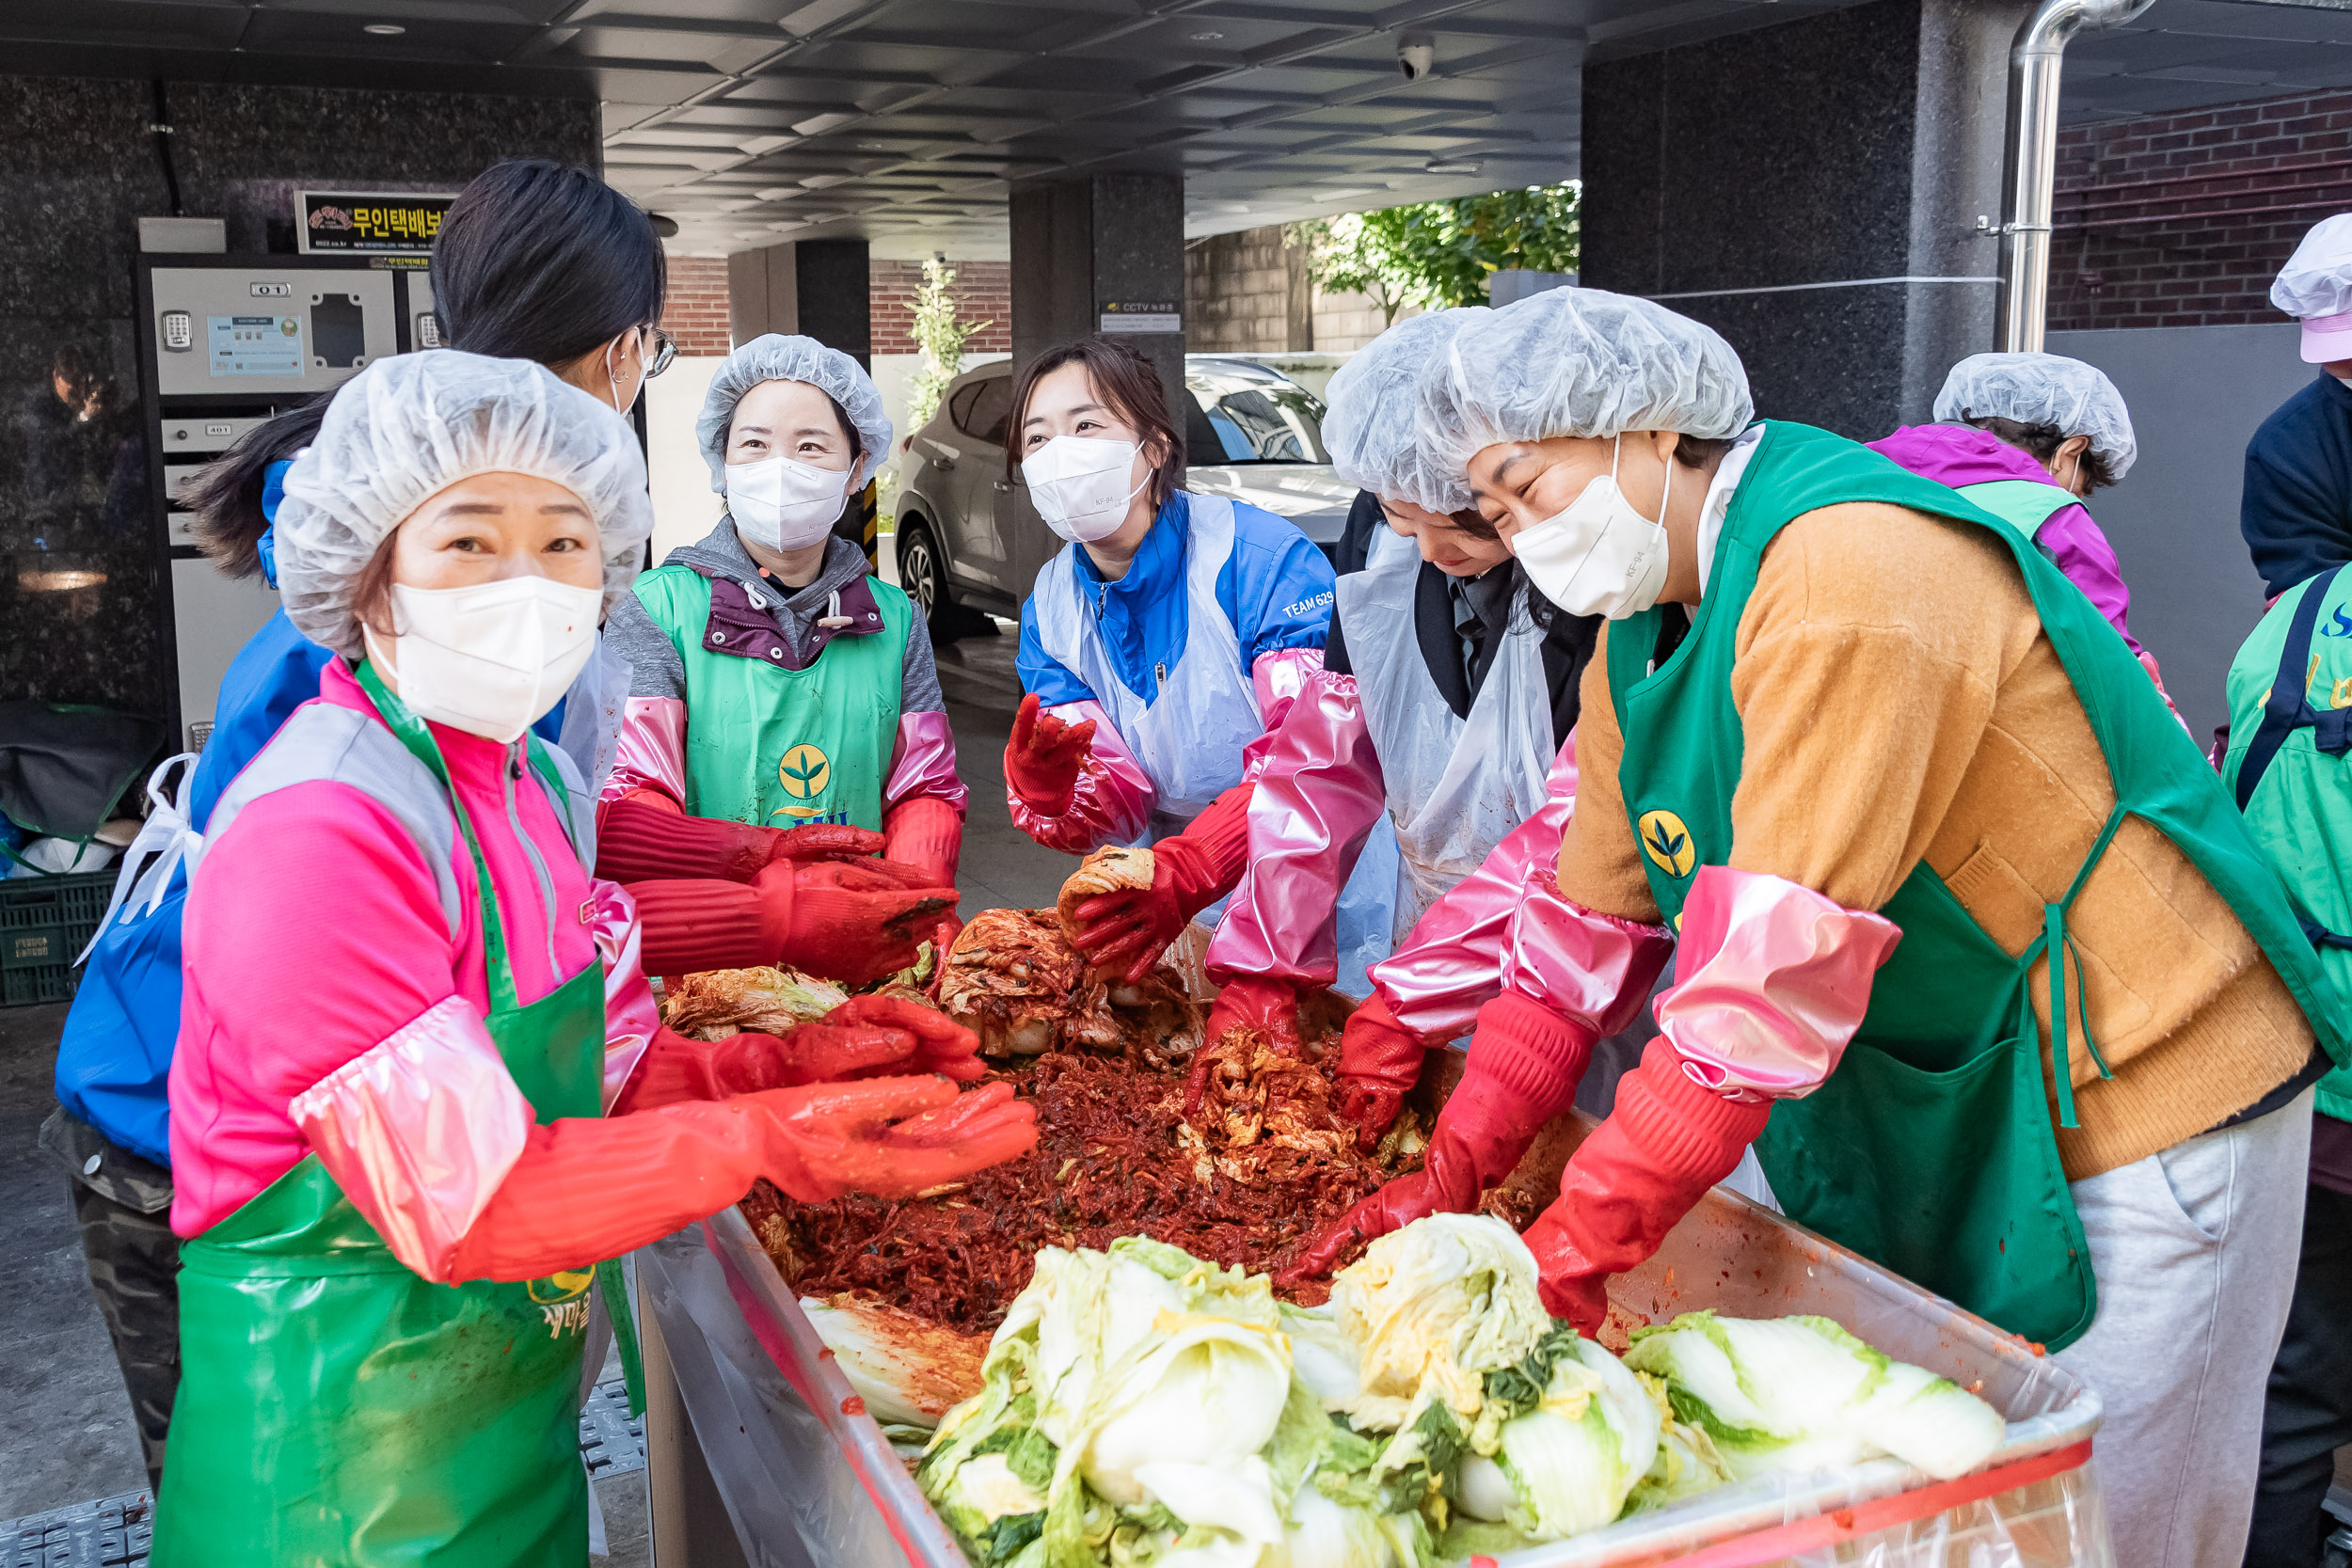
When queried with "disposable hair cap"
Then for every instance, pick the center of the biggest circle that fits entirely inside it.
(1581, 362)
(2043, 389)
(1374, 425)
(408, 427)
(773, 356)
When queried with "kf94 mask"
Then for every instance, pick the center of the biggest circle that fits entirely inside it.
(491, 658)
(1079, 483)
(1599, 556)
(785, 504)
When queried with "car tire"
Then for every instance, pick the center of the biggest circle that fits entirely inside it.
(923, 573)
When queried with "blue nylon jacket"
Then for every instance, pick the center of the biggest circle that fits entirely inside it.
(1276, 590)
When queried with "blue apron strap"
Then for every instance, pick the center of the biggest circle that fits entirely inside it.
(2285, 711)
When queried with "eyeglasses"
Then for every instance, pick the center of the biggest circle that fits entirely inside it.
(664, 350)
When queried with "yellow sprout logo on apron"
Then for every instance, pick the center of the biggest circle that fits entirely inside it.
(1666, 841)
(804, 772)
(563, 1299)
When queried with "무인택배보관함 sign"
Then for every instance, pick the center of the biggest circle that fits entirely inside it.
(357, 223)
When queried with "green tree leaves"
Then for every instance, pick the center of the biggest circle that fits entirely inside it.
(1439, 253)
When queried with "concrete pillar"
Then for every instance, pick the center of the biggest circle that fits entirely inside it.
(1090, 251)
(1809, 190)
(817, 287)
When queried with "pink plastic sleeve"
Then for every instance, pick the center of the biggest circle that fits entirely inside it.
(652, 752)
(923, 761)
(1319, 793)
(1595, 968)
(630, 1013)
(419, 1130)
(1451, 963)
(1773, 982)
(1276, 680)
(1112, 802)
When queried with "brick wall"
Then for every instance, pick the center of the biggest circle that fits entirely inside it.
(983, 291)
(2184, 219)
(1248, 291)
(696, 311)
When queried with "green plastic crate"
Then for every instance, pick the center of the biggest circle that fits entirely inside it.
(45, 922)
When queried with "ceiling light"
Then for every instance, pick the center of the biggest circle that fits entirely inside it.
(817, 125)
(1206, 38)
(1451, 165)
(384, 29)
(874, 146)
(776, 193)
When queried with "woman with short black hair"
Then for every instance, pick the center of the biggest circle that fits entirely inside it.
(1172, 632)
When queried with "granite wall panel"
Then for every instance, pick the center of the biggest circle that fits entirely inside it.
(1851, 145)
(81, 584)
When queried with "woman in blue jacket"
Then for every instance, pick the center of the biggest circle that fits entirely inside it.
(1168, 637)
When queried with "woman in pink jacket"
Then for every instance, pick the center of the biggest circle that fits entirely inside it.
(400, 1162)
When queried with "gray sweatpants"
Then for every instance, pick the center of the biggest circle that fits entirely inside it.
(2194, 1249)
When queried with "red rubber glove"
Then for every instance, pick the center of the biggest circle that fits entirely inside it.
(867, 1037)
(1380, 1061)
(1044, 757)
(927, 833)
(853, 921)
(1261, 1002)
(1525, 1061)
(642, 837)
(588, 1187)
(1667, 1141)
(1190, 871)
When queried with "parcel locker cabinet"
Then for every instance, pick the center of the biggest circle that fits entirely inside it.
(229, 341)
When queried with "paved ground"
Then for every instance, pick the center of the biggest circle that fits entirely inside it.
(65, 1425)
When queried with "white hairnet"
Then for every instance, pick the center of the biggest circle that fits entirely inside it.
(773, 356)
(2043, 389)
(408, 427)
(2318, 278)
(1373, 423)
(1581, 362)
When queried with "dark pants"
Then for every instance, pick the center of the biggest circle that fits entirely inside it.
(2309, 1412)
(134, 1273)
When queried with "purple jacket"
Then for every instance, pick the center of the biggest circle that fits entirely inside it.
(1957, 454)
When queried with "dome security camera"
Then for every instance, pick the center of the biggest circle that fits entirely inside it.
(1416, 53)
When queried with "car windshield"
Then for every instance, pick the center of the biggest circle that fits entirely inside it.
(1248, 420)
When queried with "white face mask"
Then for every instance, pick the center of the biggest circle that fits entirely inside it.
(1079, 483)
(491, 658)
(785, 504)
(1599, 556)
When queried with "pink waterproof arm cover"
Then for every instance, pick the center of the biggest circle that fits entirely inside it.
(630, 1013)
(1112, 800)
(1451, 963)
(1775, 981)
(652, 750)
(923, 762)
(1319, 793)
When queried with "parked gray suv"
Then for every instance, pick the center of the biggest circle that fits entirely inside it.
(966, 535)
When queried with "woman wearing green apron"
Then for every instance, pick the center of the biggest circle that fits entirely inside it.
(402, 1160)
(1873, 763)
(777, 681)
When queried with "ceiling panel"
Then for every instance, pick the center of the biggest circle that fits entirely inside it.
(749, 120)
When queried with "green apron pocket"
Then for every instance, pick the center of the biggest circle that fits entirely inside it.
(1950, 1179)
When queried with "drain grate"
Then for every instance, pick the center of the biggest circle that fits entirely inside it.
(111, 1532)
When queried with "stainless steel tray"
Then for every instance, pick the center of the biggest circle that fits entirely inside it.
(1728, 1253)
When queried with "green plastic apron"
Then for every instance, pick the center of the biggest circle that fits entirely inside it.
(1931, 1149)
(336, 1408)
(784, 747)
